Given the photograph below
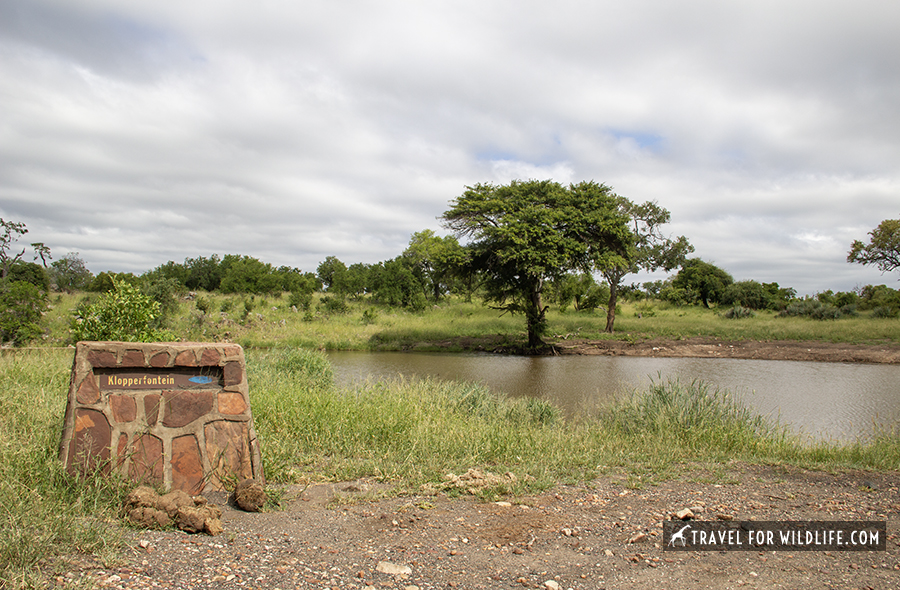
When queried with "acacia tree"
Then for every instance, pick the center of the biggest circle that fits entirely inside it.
(704, 282)
(526, 233)
(883, 249)
(649, 249)
(10, 232)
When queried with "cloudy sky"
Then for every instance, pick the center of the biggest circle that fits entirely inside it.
(145, 131)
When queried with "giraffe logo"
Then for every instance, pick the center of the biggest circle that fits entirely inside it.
(679, 536)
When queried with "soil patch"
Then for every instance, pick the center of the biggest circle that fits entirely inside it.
(698, 346)
(783, 350)
(601, 535)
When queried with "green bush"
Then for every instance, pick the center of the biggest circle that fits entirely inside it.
(123, 314)
(884, 312)
(21, 308)
(737, 312)
(300, 298)
(812, 308)
(334, 305)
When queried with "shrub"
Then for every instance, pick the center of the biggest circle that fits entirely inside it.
(812, 308)
(21, 307)
(884, 312)
(750, 294)
(123, 314)
(825, 312)
(300, 298)
(335, 305)
(737, 312)
(370, 316)
(203, 304)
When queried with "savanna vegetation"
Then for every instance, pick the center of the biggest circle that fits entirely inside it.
(410, 433)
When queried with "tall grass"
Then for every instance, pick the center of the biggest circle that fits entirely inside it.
(416, 431)
(45, 514)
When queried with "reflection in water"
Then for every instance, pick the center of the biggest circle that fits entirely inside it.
(824, 400)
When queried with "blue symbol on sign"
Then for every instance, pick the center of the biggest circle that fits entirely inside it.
(203, 379)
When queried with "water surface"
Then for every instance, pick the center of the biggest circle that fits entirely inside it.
(839, 401)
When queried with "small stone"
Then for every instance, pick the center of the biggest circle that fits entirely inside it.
(722, 516)
(386, 567)
(684, 514)
(518, 551)
(551, 585)
(637, 538)
(608, 552)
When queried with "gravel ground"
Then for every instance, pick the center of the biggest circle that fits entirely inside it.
(604, 535)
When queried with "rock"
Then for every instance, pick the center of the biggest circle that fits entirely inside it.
(551, 585)
(250, 495)
(637, 538)
(386, 567)
(684, 514)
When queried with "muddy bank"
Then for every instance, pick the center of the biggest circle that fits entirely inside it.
(783, 350)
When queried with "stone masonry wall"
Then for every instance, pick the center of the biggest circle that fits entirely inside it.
(172, 414)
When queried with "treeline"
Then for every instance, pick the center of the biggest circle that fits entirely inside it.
(702, 283)
(533, 244)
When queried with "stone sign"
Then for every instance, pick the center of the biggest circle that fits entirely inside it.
(172, 414)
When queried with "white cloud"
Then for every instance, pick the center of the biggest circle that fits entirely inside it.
(146, 131)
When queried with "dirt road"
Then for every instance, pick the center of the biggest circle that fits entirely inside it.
(604, 535)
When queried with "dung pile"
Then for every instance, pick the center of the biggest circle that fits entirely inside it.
(145, 508)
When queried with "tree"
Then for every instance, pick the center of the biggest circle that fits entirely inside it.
(435, 259)
(751, 294)
(649, 249)
(704, 282)
(356, 280)
(332, 272)
(11, 232)
(69, 273)
(526, 233)
(30, 273)
(394, 283)
(883, 249)
(245, 274)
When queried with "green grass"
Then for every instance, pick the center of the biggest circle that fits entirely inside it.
(414, 432)
(409, 433)
(46, 515)
(457, 325)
